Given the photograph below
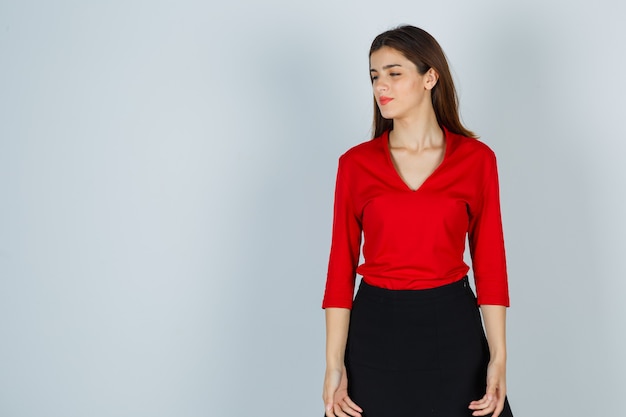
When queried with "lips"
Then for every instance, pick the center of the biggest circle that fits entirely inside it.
(384, 100)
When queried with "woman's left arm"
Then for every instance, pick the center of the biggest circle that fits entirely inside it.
(494, 317)
(486, 240)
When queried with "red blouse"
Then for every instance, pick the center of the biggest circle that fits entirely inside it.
(416, 239)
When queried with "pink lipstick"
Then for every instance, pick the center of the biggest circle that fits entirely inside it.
(384, 100)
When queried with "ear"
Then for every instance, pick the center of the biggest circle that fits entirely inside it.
(430, 79)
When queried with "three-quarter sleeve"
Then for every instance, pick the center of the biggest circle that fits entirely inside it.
(345, 244)
(486, 239)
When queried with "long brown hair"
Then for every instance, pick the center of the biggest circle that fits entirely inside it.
(422, 49)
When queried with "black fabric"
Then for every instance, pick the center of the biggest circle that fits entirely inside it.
(415, 353)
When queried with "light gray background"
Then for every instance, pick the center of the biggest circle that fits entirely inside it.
(166, 180)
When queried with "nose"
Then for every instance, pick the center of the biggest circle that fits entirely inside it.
(381, 86)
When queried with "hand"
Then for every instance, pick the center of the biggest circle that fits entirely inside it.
(493, 400)
(335, 395)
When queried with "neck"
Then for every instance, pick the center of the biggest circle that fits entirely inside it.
(418, 132)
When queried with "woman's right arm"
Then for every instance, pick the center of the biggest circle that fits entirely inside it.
(335, 396)
(342, 264)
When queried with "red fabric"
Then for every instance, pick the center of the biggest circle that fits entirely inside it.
(416, 239)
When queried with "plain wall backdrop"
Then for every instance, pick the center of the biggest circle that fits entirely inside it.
(166, 184)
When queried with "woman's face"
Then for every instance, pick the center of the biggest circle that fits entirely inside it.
(399, 89)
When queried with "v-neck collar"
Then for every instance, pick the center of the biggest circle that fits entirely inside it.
(448, 148)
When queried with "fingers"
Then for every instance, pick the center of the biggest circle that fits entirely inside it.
(499, 407)
(351, 404)
(486, 405)
(483, 406)
(349, 407)
(343, 408)
(491, 402)
(497, 394)
(335, 396)
(496, 389)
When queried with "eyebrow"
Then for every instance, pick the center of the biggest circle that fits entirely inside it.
(386, 67)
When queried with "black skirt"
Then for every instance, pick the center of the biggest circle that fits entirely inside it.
(414, 353)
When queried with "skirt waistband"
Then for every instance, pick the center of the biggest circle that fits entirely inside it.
(366, 289)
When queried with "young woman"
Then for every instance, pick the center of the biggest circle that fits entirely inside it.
(412, 342)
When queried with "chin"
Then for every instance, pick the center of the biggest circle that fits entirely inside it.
(387, 114)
